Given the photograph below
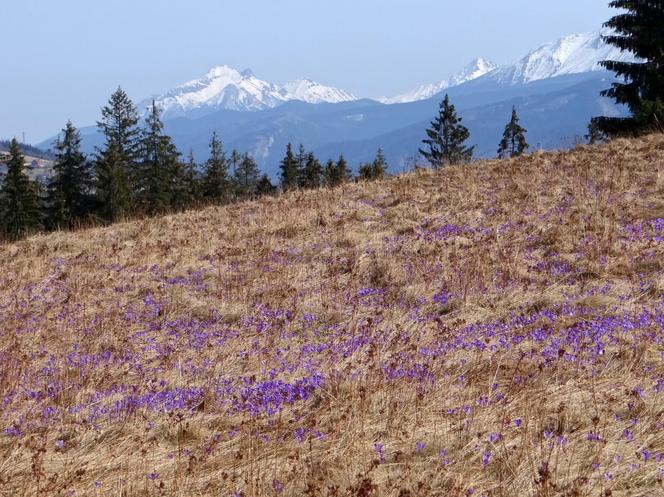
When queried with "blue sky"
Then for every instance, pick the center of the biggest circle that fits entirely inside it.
(61, 60)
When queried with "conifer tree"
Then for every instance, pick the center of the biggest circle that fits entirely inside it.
(446, 138)
(343, 174)
(376, 169)
(115, 165)
(313, 171)
(184, 189)
(289, 171)
(19, 204)
(514, 142)
(246, 176)
(216, 183)
(69, 188)
(595, 134)
(265, 186)
(330, 174)
(379, 166)
(159, 166)
(301, 160)
(365, 172)
(191, 177)
(639, 30)
(235, 160)
(112, 189)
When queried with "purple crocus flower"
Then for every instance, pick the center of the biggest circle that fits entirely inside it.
(277, 486)
(379, 450)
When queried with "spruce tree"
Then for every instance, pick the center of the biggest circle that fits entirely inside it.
(595, 134)
(289, 172)
(183, 191)
(514, 142)
(265, 186)
(446, 138)
(115, 165)
(112, 188)
(19, 203)
(379, 166)
(376, 169)
(69, 188)
(216, 183)
(301, 160)
(235, 160)
(158, 166)
(365, 172)
(246, 176)
(343, 174)
(330, 174)
(191, 177)
(639, 30)
(313, 171)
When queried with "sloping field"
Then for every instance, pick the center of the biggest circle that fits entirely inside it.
(489, 330)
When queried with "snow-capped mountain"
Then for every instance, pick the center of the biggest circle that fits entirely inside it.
(311, 92)
(556, 88)
(477, 68)
(573, 54)
(226, 88)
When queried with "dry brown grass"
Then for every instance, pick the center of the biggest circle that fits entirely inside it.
(525, 236)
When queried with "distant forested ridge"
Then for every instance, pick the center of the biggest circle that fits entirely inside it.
(28, 150)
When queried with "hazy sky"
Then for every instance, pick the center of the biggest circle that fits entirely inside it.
(62, 59)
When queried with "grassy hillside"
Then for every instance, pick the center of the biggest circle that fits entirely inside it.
(495, 329)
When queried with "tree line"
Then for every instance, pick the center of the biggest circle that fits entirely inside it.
(139, 171)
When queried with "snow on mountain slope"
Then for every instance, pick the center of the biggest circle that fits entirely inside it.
(569, 55)
(575, 54)
(226, 88)
(311, 92)
(477, 68)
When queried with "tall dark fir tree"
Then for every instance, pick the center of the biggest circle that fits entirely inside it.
(188, 188)
(115, 165)
(330, 173)
(247, 176)
(514, 141)
(265, 186)
(376, 169)
(639, 30)
(301, 159)
(234, 161)
(343, 172)
(379, 166)
(313, 172)
(289, 171)
(216, 182)
(19, 203)
(158, 166)
(183, 187)
(69, 190)
(446, 138)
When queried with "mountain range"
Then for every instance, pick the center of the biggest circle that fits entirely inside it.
(555, 88)
(226, 88)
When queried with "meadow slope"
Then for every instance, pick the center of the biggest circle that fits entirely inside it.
(495, 329)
